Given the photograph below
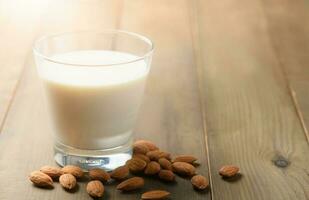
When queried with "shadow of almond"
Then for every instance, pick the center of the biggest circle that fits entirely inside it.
(43, 188)
(135, 191)
(84, 179)
(235, 178)
(75, 189)
(202, 191)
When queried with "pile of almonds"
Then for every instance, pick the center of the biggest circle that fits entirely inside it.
(147, 160)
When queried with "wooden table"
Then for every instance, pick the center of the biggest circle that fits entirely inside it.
(229, 83)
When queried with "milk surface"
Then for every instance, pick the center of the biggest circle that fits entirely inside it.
(94, 107)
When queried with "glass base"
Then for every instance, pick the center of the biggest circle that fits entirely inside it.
(107, 159)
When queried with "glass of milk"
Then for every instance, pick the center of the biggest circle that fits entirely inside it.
(94, 84)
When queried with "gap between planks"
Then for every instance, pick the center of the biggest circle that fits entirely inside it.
(293, 96)
(14, 91)
(290, 89)
(194, 28)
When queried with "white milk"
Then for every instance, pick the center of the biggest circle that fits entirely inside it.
(94, 107)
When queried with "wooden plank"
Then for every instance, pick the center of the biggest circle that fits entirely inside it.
(18, 29)
(292, 47)
(170, 115)
(251, 118)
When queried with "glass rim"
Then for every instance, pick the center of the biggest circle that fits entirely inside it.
(145, 39)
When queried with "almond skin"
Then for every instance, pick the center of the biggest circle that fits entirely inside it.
(152, 168)
(199, 182)
(185, 158)
(165, 164)
(67, 181)
(136, 165)
(142, 156)
(140, 148)
(167, 175)
(53, 172)
(99, 174)
(155, 194)
(183, 168)
(74, 170)
(120, 173)
(40, 179)
(156, 155)
(95, 189)
(131, 184)
(151, 146)
(228, 170)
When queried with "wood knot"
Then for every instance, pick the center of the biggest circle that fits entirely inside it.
(280, 161)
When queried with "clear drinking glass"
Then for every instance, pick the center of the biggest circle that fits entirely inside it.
(94, 83)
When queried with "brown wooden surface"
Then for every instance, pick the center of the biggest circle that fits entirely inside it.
(291, 47)
(222, 80)
(250, 115)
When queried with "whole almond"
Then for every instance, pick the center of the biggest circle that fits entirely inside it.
(40, 179)
(141, 156)
(74, 170)
(136, 165)
(183, 168)
(95, 189)
(131, 184)
(157, 154)
(167, 175)
(152, 168)
(99, 174)
(53, 172)
(151, 146)
(155, 194)
(228, 170)
(120, 173)
(165, 164)
(185, 158)
(67, 181)
(199, 182)
(140, 148)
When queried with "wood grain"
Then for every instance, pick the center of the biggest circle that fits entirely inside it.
(221, 65)
(291, 47)
(170, 115)
(18, 30)
(251, 118)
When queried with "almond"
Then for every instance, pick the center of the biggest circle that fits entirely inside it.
(131, 184)
(74, 170)
(40, 179)
(228, 170)
(183, 168)
(140, 148)
(152, 168)
(199, 182)
(167, 175)
(67, 181)
(141, 156)
(95, 189)
(155, 194)
(53, 172)
(165, 164)
(156, 155)
(120, 173)
(151, 146)
(185, 158)
(136, 165)
(99, 174)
